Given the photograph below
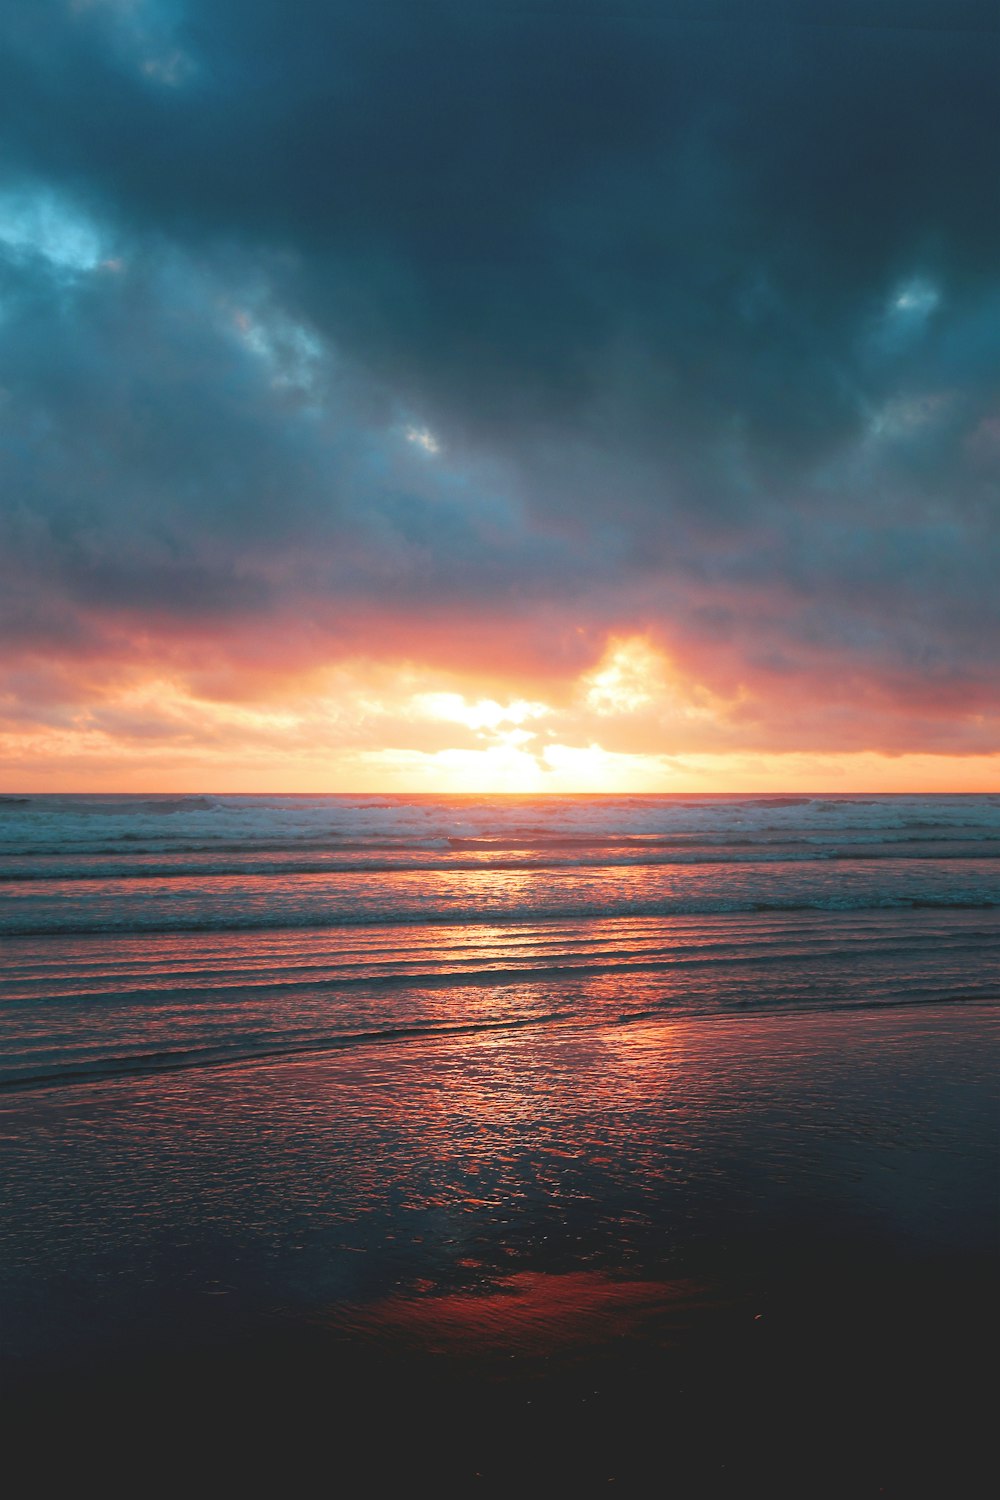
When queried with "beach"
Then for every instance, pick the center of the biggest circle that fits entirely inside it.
(685, 1228)
(697, 1253)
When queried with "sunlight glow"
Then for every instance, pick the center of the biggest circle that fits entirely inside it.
(362, 727)
(503, 768)
(486, 713)
(916, 298)
(423, 438)
(627, 678)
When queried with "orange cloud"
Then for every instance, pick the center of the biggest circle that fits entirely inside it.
(631, 722)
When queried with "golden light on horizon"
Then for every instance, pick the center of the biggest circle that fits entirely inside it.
(630, 723)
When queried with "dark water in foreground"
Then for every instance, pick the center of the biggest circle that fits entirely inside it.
(638, 1145)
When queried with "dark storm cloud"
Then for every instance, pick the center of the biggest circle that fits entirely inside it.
(701, 302)
(179, 452)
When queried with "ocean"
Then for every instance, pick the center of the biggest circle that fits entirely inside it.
(601, 1123)
(172, 932)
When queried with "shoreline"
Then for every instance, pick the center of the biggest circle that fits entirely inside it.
(757, 1248)
(14, 1087)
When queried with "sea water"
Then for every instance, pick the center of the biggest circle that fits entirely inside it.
(144, 933)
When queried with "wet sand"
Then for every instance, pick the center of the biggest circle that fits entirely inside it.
(670, 1257)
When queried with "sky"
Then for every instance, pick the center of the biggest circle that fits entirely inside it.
(499, 395)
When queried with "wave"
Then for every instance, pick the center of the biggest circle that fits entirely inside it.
(252, 921)
(741, 852)
(242, 1055)
(66, 824)
(341, 975)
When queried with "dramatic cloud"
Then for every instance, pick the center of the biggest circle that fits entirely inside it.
(635, 362)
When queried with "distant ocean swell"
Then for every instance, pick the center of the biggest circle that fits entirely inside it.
(208, 903)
